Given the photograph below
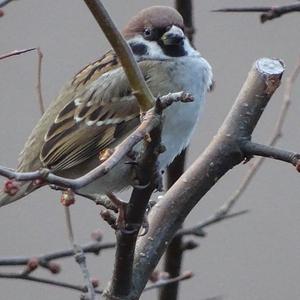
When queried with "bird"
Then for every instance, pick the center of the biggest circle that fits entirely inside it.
(97, 109)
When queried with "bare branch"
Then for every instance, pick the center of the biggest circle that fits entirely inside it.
(220, 215)
(124, 53)
(93, 247)
(163, 282)
(102, 200)
(16, 52)
(46, 281)
(269, 12)
(79, 257)
(146, 175)
(4, 2)
(39, 81)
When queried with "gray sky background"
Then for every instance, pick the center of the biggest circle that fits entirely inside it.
(255, 256)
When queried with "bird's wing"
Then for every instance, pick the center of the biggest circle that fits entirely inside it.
(101, 114)
(93, 110)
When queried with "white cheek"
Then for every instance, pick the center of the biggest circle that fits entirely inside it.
(154, 50)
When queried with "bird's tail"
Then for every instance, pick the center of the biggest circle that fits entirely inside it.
(14, 190)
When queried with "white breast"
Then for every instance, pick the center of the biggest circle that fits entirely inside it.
(193, 75)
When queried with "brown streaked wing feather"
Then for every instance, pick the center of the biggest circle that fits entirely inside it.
(90, 122)
(30, 158)
(92, 71)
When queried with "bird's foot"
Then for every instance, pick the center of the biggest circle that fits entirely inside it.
(121, 205)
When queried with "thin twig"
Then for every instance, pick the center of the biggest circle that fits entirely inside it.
(16, 52)
(39, 81)
(47, 281)
(269, 12)
(218, 216)
(102, 200)
(79, 257)
(4, 2)
(163, 282)
(39, 72)
(93, 247)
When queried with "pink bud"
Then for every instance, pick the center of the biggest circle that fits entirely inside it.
(97, 235)
(11, 187)
(32, 263)
(54, 267)
(95, 282)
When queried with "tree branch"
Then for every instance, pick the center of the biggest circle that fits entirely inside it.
(79, 257)
(220, 215)
(46, 281)
(4, 2)
(163, 282)
(16, 52)
(269, 12)
(124, 53)
(146, 175)
(93, 247)
(39, 81)
(251, 148)
(222, 154)
(224, 211)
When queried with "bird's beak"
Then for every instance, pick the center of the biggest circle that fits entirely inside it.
(174, 36)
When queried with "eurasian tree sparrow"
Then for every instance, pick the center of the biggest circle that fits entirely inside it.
(96, 109)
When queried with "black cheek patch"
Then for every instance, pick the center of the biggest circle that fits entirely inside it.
(173, 50)
(138, 48)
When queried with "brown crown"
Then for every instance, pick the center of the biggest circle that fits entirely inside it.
(153, 17)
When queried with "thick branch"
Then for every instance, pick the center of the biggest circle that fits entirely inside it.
(224, 211)
(124, 53)
(269, 12)
(4, 2)
(220, 156)
(146, 174)
(251, 148)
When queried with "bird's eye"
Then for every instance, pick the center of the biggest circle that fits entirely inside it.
(147, 32)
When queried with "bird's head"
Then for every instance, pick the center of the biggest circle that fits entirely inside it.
(157, 32)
